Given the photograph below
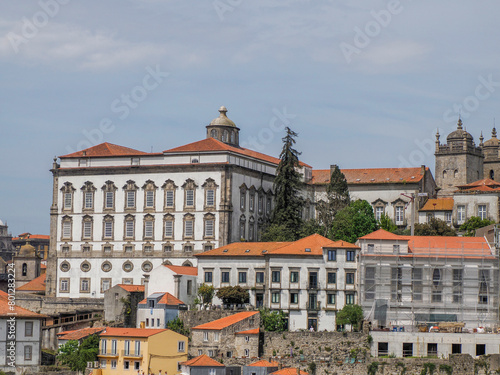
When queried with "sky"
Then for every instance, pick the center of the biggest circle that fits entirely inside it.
(365, 84)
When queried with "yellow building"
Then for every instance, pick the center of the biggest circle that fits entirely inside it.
(128, 350)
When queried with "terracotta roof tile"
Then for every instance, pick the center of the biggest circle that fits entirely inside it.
(484, 182)
(79, 333)
(35, 285)
(264, 363)
(240, 249)
(22, 236)
(103, 150)
(202, 361)
(370, 176)
(7, 310)
(212, 144)
(132, 288)
(381, 234)
(131, 332)
(288, 371)
(255, 331)
(439, 204)
(183, 270)
(166, 299)
(227, 321)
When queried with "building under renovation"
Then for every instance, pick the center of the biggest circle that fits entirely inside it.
(411, 281)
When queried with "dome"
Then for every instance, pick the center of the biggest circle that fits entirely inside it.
(222, 120)
(27, 251)
(493, 142)
(458, 135)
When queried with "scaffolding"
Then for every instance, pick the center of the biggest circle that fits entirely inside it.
(406, 284)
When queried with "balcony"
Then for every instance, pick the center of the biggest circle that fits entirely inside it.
(108, 353)
(313, 306)
(129, 354)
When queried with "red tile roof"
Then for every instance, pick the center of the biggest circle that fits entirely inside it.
(103, 150)
(132, 288)
(381, 234)
(288, 371)
(183, 270)
(264, 363)
(7, 310)
(314, 242)
(439, 204)
(79, 333)
(370, 176)
(166, 299)
(24, 236)
(255, 331)
(484, 182)
(227, 321)
(131, 332)
(212, 144)
(202, 361)
(35, 285)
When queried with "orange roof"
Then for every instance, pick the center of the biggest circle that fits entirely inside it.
(314, 242)
(381, 234)
(227, 321)
(183, 270)
(35, 285)
(264, 363)
(288, 371)
(479, 188)
(7, 310)
(166, 299)
(132, 288)
(212, 144)
(370, 176)
(255, 331)
(43, 266)
(103, 150)
(79, 333)
(440, 204)
(484, 182)
(3, 294)
(24, 236)
(202, 361)
(131, 332)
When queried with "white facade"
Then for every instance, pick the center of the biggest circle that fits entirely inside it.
(27, 342)
(175, 281)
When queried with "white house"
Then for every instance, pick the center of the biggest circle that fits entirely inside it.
(179, 281)
(158, 309)
(310, 278)
(440, 208)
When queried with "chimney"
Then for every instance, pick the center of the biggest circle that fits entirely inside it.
(422, 170)
(146, 285)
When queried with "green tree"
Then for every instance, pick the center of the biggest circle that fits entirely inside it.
(233, 295)
(310, 227)
(177, 325)
(353, 221)
(435, 227)
(76, 356)
(475, 222)
(206, 293)
(272, 321)
(387, 224)
(350, 314)
(286, 215)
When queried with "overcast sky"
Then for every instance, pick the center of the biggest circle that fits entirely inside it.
(364, 83)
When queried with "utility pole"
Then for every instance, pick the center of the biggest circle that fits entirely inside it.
(412, 202)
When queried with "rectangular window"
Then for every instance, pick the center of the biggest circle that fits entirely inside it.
(130, 199)
(150, 199)
(383, 349)
(66, 229)
(208, 276)
(216, 336)
(28, 329)
(332, 278)
(484, 279)
(349, 256)
(276, 276)
(64, 287)
(242, 277)
(395, 249)
(205, 336)
(259, 277)
(370, 284)
(407, 349)
(275, 297)
(378, 212)
(457, 285)
(169, 228)
(210, 197)
(180, 347)
(370, 248)
(108, 229)
(89, 200)
(481, 210)
(137, 347)
(447, 217)
(169, 199)
(113, 364)
(137, 365)
(129, 229)
(104, 346)
(349, 278)
(103, 363)
(113, 346)
(417, 284)
(261, 204)
(242, 200)
(209, 228)
(84, 285)
(107, 249)
(294, 276)
(87, 229)
(242, 229)
(349, 299)
(109, 199)
(251, 202)
(480, 349)
(148, 229)
(332, 255)
(456, 348)
(189, 198)
(224, 277)
(330, 299)
(460, 214)
(188, 228)
(268, 206)
(68, 200)
(126, 365)
(396, 283)
(247, 352)
(127, 347)
(189, 287)
(294, 298)
(28, 352)
(432, 349)
(400, 215)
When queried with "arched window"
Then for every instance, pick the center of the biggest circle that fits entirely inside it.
(455, 174)
(213, 133)
(224, 136)
(25, 269)
(492, 174)
(232, 137)
(444, 174)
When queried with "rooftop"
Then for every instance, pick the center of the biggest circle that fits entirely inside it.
(132, 288)
(131, 332)
(79, 333)
(288, 371)
(35, 285)
(370, 176)
(227, 321)
(7, 310)
(255, 331)
(166, 299)
(264, 363)
(439, 204)
(183, 270)
(103, 150)
(202, 361)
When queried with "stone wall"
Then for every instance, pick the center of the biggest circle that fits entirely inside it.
(193, 318)
(51, 306)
